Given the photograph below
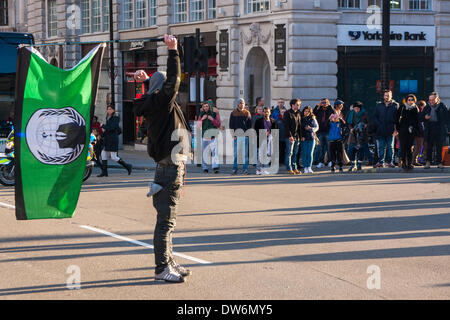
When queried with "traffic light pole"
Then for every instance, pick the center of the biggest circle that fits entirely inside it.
(385, 66)
(111, 53)
(197, 73)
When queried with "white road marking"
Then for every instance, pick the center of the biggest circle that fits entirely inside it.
(143, 244)
(6, 205)
(139, 243)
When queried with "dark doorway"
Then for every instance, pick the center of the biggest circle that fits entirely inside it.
(359, 71)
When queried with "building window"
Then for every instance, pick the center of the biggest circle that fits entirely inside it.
(96, 16)
(152, 13)
(141, 13)
(105, 15)
(52, 30)
(85, 16)
(349, 4)
(180, 11)
(420, 4)
(258, 6)
(211, 9)
(395, 4)
(128, 14)
(3, 12)
(196, 10)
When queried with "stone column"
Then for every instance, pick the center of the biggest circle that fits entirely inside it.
(312, 56)
(442, 51)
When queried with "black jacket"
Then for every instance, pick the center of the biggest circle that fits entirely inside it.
(407, 119)
(110, 135)
(323, 121)
(293, 124)
(259, 125)
(384, 118)
(162, 112)
(442, 115)
(240, 120)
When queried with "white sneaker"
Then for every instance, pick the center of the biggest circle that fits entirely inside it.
(330, 164)
(320, 165)
(265, 172)
(258, 172)
(310, 170)
(169, 275)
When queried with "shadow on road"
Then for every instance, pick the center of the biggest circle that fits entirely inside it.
(255, 237)
(116, 283)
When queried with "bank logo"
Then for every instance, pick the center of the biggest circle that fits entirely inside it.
(355, 35)
(56, 136)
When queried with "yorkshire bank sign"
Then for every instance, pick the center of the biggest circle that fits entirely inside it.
(400, 36)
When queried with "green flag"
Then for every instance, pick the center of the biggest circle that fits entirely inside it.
(52, 123)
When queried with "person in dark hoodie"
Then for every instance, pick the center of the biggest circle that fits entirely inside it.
(166, 120)
(240, 119)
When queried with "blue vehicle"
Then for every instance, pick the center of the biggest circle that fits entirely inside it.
(9, 41)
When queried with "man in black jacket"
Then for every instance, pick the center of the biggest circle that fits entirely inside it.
(434, 117)
(293, 133)
(322, 112)
(166, 120)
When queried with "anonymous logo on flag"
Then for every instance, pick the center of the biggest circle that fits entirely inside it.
(52, 119)
(56, 136)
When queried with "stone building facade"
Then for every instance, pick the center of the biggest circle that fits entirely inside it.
(265, 48)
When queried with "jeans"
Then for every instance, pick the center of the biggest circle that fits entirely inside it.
(291, 154)
(211, 154)
(307, 152)
(319, 154)
(385, 147)
(166, 201)
(235, 155)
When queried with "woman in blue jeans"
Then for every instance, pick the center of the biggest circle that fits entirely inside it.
(309, 129)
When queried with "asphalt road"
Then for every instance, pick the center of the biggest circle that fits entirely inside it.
(350, 236)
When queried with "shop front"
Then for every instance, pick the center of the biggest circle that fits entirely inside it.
(136, 55)
(359, 57)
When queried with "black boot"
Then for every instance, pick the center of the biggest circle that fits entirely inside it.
(104, 169)
(127, 166)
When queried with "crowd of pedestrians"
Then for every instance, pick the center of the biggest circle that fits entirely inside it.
(406, 134)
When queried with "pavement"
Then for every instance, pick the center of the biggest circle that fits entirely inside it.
(140, 160)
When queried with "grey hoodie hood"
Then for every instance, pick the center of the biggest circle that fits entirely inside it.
(156, 81)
